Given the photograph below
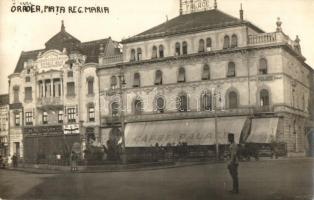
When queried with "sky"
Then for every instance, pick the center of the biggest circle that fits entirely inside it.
(29, 31)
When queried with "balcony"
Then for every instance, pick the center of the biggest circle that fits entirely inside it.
(263, 109)
(272, 38)
(50, 101)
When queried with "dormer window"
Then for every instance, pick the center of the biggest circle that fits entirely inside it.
(161, 51)
(201, 46)
(132, 55)
(184, 48)
(154, 52)
(226, 42)
(178, 49)
(234, 41)
(139, 54)
(208, 44)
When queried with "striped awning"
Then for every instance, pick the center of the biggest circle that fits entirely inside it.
(263, 130)
(191, 131)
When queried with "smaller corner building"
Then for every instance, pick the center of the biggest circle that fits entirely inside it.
(54, 96)
(4, 125)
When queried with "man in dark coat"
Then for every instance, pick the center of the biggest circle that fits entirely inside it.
(233, 163)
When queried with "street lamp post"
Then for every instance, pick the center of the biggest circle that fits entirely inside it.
(216, 93)
(122, 118)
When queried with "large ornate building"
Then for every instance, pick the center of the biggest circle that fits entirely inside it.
(54, 98)
(203, 74)
(192, 79)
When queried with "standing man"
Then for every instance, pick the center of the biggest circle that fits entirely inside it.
(233, 163)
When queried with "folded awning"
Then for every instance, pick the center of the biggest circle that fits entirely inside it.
(191, 131)
(263, 130)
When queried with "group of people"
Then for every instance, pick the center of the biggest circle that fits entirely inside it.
(4, 161)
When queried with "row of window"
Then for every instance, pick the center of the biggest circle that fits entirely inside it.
(181, 48)
(207, 102)
(45, 90)
(71, 114)
(231, 72)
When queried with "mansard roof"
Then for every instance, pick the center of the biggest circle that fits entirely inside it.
(197, 21)
(61, 40)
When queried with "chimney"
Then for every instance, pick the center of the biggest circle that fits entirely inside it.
(62, 26)
(241, 13)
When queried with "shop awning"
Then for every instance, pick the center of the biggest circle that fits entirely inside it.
(263, 130)
(191, 131)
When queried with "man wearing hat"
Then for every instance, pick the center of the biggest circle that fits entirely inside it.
(233, 163)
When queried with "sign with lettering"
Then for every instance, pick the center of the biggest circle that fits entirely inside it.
(191, 6)
(51, 60)
(71, 129)
(38, 130)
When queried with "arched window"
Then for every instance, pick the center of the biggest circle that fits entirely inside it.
(160, 104)
(113, 81)
(234, 41)
(264, 98)
(138, 106)
(178, 49)
(206, 72)
(181, 75)
(226, 42)
(206, 102)
(132, 58)
(137, 80)
(263, 66)
(154, 53)
(208, 44)
(139, 54)
(115, 108)
(201, 46)
(161, 51)
(233, 100)
(158, 77)
(184, 48)
(231, 70)
(182, 103)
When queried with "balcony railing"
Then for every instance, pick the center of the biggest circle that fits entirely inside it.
(49, 101)
(111, 59)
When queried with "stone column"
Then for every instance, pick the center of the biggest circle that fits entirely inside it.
(51, 87)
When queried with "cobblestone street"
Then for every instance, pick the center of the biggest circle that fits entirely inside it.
(267, 179)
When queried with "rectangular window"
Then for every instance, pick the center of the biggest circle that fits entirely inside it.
(70, 73)
(71, 115)
(60, 116)
(17, 119)
(45, 118)
(27, 79)
(29, 118)
(91, 114)
(70, 89)
(90, 85)
(28, 93)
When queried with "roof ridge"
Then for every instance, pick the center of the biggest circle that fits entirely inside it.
(95, 41)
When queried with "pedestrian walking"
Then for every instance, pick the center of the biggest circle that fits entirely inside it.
(74, 158)
(15, 160)
(233, 164)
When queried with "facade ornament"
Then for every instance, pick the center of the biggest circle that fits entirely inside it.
(278, 23)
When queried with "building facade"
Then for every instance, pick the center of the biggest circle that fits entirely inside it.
(4, 125)
(54, 98)
(202, 75)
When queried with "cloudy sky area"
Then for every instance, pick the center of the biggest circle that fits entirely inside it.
(29, 31)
